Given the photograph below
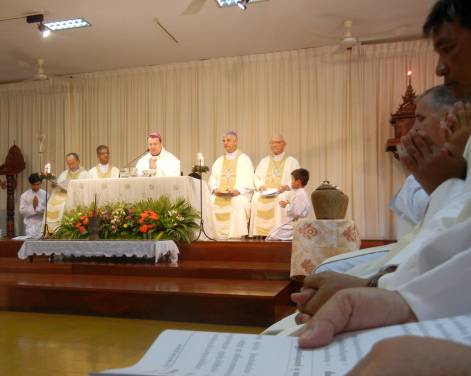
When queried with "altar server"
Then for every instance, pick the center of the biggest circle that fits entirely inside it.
(158, 161)
(298, 206)
(231, 183)
(272, 185)
(103, 169)
(32, 205)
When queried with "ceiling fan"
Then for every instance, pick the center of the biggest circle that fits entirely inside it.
(38, 72)
(39, 75)
(349, 40)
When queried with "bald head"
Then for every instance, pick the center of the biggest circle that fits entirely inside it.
(277, 144)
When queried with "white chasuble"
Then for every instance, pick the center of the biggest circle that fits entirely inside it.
(272, 172)
(231, 213)
(56, 204)
(103, 172)
(164, 164)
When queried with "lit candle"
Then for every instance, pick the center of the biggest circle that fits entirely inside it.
(47, 168)
(200, 159)
(409, 77)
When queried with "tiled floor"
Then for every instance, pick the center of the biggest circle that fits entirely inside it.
(34, 344)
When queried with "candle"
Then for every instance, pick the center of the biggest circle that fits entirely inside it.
(409, 77)
(200, 159)
(47, 168)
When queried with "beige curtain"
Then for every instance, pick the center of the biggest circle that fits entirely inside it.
(333, 110)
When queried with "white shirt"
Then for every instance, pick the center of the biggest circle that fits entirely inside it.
(33, 218)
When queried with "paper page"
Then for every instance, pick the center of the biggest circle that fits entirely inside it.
(269, 192)
(186, 353)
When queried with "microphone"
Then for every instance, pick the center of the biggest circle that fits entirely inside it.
(136, 158)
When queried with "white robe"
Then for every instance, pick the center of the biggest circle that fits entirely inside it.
(411, 201)
(167, 164)
(240, 205)
(259, 181)
(299, 207)
(56, 204)
(93, 173)
(434, 280)
(33, 218)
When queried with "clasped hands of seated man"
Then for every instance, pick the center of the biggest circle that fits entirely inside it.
(432, 165)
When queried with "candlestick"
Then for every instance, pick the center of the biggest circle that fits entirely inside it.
(200, 159)
(47, 168)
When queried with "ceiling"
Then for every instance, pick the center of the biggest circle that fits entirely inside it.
(124, 32)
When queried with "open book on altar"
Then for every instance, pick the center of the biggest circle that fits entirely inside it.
(191, 353)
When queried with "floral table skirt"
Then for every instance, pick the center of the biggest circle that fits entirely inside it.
(100, 248)
(316, 240)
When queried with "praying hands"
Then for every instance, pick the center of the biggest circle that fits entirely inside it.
(430, 165)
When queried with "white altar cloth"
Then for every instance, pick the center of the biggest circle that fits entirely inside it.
(83, 191)
(100, 248)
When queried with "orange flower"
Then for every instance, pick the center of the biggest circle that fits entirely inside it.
(78, 225)
(143, 229)
(144, 215)
(81, 229)
(154, 216)
(85, 221)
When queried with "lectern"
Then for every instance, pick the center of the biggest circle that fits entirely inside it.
(14, 164)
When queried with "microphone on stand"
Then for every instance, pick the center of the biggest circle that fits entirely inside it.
(136, 158)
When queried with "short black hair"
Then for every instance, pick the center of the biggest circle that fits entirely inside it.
(75, 155)
(34, 178)
(448, 11)
(101, 147)
(301, 174)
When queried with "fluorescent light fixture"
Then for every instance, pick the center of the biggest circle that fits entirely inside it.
(232, 3)
(67, 24)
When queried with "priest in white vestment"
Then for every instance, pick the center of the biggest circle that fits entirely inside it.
(104, 169)
(32, 205)
(298, 206)
(231, 184)
(56, 204)
(272, 185)
(158, 161)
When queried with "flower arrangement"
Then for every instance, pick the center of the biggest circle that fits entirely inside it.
(148, 219)
(199, 169)
(47, 176)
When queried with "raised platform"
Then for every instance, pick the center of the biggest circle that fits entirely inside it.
(244, 283)
(236, 282)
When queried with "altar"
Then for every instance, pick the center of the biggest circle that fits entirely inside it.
(84, 192)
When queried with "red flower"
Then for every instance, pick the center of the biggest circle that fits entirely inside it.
(81, 229)
(143, 229)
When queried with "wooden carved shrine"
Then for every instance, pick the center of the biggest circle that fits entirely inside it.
(14, 164)
(403, 120)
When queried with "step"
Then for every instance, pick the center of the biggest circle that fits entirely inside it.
(209, 300)
(185, 268)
